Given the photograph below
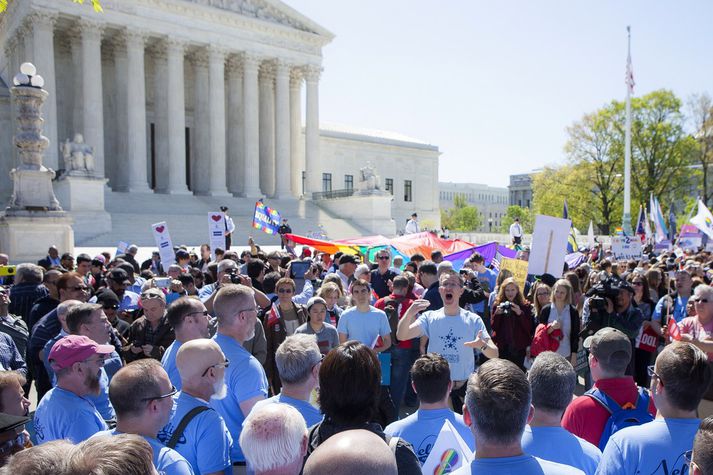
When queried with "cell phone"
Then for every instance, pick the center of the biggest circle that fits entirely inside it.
(162, 282)
(7, 270)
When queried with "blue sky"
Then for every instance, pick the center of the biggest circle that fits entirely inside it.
(495, 84)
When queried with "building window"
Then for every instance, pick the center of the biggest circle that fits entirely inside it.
(407, 190)
(390, 185)
(349, 182)
(326, 182)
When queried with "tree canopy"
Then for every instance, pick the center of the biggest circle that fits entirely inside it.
(462, 217)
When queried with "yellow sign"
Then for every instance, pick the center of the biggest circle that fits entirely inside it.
(518, 268)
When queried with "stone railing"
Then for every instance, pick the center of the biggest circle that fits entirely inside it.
(330, 195)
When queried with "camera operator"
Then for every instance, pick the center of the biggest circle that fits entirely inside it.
(228, 273)
(610, 304)
(512, 322)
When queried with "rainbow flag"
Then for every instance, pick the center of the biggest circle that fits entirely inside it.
(265, 218)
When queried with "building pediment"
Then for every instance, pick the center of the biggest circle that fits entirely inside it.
(272, 11)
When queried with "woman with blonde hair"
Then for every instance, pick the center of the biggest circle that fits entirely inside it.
(512, 323)
(562, 315)
(331, 294)
(542, 296)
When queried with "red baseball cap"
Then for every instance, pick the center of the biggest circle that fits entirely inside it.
(74, 348)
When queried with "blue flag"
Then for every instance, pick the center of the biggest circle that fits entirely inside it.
(572, 245)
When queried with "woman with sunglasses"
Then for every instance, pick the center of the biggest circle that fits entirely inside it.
(642, 300)
(698, 329)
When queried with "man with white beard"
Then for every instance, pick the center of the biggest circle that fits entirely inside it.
(235, 307)
(195, 430)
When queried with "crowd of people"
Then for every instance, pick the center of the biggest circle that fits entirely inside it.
(271, 362)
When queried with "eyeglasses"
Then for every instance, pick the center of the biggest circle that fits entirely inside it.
(321, 358)
(163, 396)
(284, 291)
(150, 296)
(202, 312)
(652, 373)
(383, 258)
(688, 456)
(637, 283)
(83, 288)
(224, 364)
(543, 294)
(700, 300)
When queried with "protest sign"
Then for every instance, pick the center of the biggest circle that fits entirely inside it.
(216, 231)
(448, 453)
(690, 238)
(266, 218)
(647, 340)
(517, 267)
(626, 247)
(164, 244)
(549, 245)
(662, 246)
(121, 248)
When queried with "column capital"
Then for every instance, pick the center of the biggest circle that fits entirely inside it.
(312, 72)
(175, 45)
(90, 28)
(296, 77)
(282, 67)
(217, 53)
(133, 37)
(251, 61)
(234, 64)
(199, 57)
(159, 50)
(10, 47)
(268, 70)
(42, 18)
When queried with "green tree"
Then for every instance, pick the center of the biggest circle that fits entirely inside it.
(555, 184)
(701, 115)
(462, 217)
(526, 219)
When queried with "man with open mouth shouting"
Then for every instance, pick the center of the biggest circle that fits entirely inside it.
(453, 332)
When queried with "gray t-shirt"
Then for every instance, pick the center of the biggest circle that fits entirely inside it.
(327, 338)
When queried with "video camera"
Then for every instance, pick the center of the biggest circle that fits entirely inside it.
(607, 289)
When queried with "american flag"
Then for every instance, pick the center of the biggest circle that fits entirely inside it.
(629, 68)
(495, 264)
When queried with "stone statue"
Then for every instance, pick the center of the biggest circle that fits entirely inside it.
(369, 181)
(78, 156)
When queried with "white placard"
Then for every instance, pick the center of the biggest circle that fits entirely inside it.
(448, 453)
(164, 244)
(549, 245)
(216, 231)
(690, 242)
(121, 248)
(626, 248)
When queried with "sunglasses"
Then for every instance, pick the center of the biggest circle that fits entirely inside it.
(224, 364)
(83, 288)
(110, 307)
(699, 300)
(383, 258)
(150, 296)
(163, 396)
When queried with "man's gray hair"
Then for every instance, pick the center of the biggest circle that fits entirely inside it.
(498, 399)
(29, 273)
(226, 264)
(552, 379)
(272, 437)
(229, 299)
(296, 357)
(704, 291)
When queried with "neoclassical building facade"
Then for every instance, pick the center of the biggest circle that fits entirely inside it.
(177, 96)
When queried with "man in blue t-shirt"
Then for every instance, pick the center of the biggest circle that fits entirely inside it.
(675, 304)
(363, 322)
(189, 319)
(205, 441)
(298, 361)
(432, 383)
(141, 395)
(552, 380)
(679, 380)
(497, 408)
(235, 307)
(65, 412)
(452, 332)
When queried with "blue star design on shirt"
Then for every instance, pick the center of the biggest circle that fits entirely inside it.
(450, 341)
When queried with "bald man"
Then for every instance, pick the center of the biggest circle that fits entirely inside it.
(205, 441)
(141, 395)
(274, 440)
(236, 310)
(352, 452)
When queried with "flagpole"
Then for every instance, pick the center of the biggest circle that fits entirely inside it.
(626, 221)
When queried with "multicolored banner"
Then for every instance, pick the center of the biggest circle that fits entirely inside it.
(266, 218)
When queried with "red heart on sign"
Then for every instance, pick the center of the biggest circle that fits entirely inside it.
(216, 217)
(160, 229)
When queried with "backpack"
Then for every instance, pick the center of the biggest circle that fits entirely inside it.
(621, 417)
(392, 309)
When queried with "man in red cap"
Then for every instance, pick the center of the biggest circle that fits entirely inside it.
(64, 412)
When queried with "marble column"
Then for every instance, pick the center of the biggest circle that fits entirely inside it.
(267, 128)
(159, 58)
(312, 162)
(175, 118)
(283, 172)
(201, 147)
(235, 114)
(91, 119)
(296, 152)
(136, 112)
(75, 44)
(251, 172)
(216, 88)
(42, 24)
(119, 177)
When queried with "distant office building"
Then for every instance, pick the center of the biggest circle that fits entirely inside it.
(520, 189)
(491, 202)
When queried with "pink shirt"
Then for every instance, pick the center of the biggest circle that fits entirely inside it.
(693, 327)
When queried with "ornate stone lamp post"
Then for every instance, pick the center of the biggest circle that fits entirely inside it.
(34, 219)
